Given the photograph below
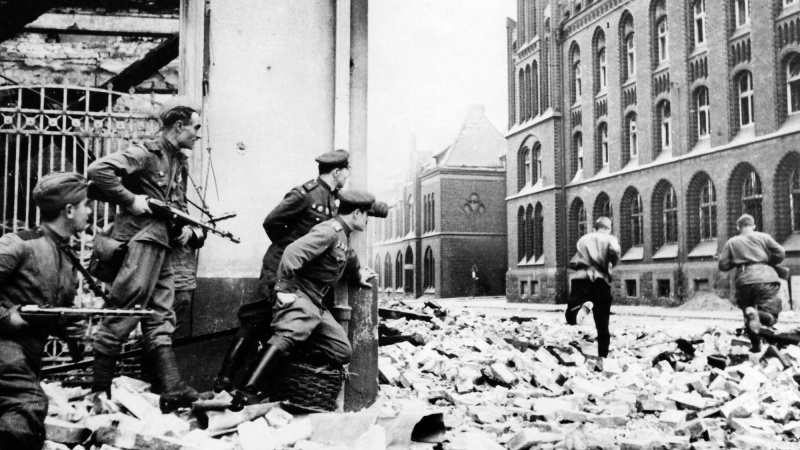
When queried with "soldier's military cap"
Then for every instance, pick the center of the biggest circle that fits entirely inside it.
(379, 209)
(351, 199)
(56, 190)
(177, 102)
(336, 158)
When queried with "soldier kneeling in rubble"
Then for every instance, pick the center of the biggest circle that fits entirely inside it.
(36, 268)
(754, 254)
(309, 268)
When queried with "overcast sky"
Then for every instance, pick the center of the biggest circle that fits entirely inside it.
(428, 61)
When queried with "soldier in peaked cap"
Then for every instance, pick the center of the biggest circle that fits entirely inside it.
(308, 270)
(301, 209)
(154, 169)
(36, 269)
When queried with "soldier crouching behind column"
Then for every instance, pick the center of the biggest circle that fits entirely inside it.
(301, 209)
(155, 169)
(35, 270)
(597, 253)
(752, 254)
(309, 268)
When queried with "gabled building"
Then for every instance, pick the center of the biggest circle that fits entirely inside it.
(446, 232)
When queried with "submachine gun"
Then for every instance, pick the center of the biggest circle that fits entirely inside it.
(165, 211)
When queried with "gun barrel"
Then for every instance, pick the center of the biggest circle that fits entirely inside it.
(84, 312)
(181, 218)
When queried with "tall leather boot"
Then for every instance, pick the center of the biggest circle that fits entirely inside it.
(249, 395)
(174, 391)
(103, 372)
(232, 362)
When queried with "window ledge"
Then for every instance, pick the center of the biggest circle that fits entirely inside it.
(792, 121)
(704, 249)
(699, 49)
(578, 176)
(603, 171)
(667, 251)
(787, 11)
(661, 67)
(665, 155)
(746, 133)
(630, 81)
(633, 254)
(792, 243)
(430, 290)
(602, 93)
(532, 263)
(703, 144)
(633, 162)
(741, 31)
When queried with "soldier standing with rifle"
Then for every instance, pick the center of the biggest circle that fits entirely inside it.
(36, 269)
(310, 267)
(301, 209)
(154, 170)
(754, 254)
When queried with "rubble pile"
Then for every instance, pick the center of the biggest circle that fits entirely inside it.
(521, 384)
(461, 381)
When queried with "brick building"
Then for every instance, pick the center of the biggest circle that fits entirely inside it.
(447, 220)
(671, 117)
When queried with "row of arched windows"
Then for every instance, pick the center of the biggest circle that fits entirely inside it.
(745, 195)
(530, 234)
(395, 276)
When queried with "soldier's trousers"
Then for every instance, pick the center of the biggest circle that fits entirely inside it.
(306, 325)
(23, 404)
(599, 293)
(255, 316)
(145, 279)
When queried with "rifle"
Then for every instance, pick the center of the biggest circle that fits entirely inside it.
(36, 310)
(76, 347)
(178, 217)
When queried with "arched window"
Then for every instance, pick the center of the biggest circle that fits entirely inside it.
(528, 103)
(633, 141)
(575, 69)
(524, 167)
(398, 271)
(600, 63)
(521, 234)
(663, 42)
(537, 164)
(535, 89)
(583, 221)
(637, 221)
(605, 209)
(669, 216)
(529, 226)
(387, 272)
(793, 83)
(410, 203)
(602, 133)
(703, 112)
(794, 200)
(665, 126)
(741, 9)
(429, 274)
(708, 212)
(699, 22)
(751, 198)
(745, 90)
(538, 232)
(628, 52)
(377, 267)
(521, 94)
(577, 146)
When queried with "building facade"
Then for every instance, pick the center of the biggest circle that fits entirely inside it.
(445, 235)
(671, 117)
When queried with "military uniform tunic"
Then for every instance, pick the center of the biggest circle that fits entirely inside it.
(156, 169)
(34, 270)
(310, 267)
(300, 210)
